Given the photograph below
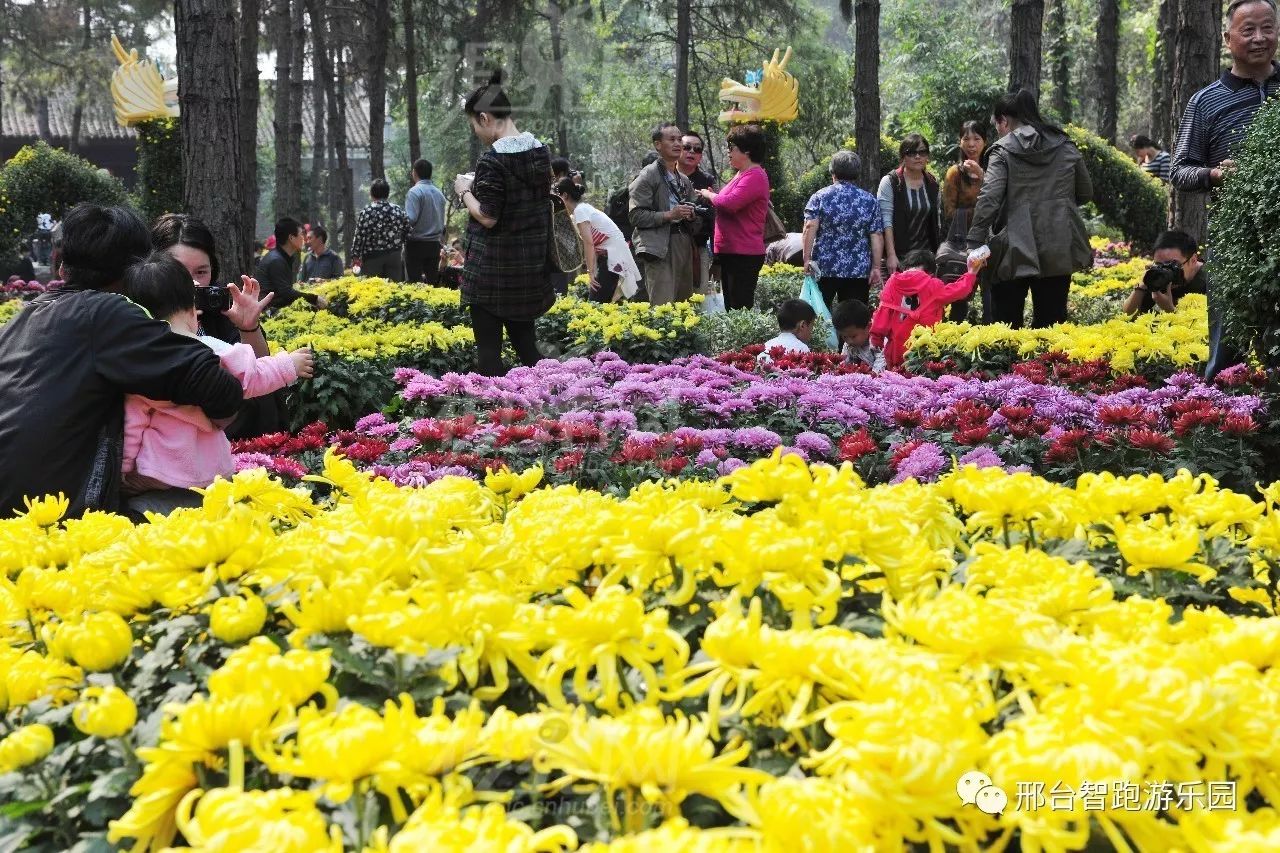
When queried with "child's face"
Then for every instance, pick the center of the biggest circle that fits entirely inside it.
(856, 336)
(803, 330)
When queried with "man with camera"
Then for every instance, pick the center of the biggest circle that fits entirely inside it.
(1176, 271)
(664, 211)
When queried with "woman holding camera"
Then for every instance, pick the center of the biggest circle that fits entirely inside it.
(741, 207)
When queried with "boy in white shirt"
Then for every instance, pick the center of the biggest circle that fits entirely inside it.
(795, 318)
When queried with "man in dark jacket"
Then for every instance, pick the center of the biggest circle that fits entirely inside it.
(69, 357)
(275, 270)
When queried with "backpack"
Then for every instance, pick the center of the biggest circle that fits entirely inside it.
(617, 209)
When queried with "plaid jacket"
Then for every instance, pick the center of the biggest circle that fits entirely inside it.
(506, 268)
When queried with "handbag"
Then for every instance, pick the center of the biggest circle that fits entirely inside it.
(774, 230)
(564, 248)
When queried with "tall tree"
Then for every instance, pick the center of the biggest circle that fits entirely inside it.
(1108, 46)
(293, 155)
(280, 34)
(1026, 32)
(555, 23)
(1162, 129)
(411, 80)
(1195, 65)
(318, 199)
(77, 113)
(208, 97)
(1059, 56)
(376, 83)
(340, 200)
(684, 40)
(247, 120)
(866, 88)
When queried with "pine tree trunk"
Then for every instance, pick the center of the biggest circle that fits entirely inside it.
(1162, 74)
(684, 38)
(556, 15)
(298, 43)
(377, 86)
(250, 15)
(339, 174)
(866, 89)
(1108, 45)
(1025, 36)
(411, 80)
(209, 104)
(346, 190)
(1059, 59)
(42, 119)
(1195, 65)
(280, 36)
(77, 113)
(317, 199)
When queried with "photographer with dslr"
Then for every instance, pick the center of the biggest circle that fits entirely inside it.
(1176, 270)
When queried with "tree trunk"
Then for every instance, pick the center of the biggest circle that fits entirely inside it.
(247, 133)
(1161, 128)
(209, 104)
(1059, 59)
(555, 16)
(339, 177)
(866, 89)
(684, 37)
(411, 81)
(77, 112)
(315, 202)
(298, 43)
(280, 36)
(1195, 65)
(1025, 36)
(42, 119)
(377, 86)
(1108, 46)
(346, 190)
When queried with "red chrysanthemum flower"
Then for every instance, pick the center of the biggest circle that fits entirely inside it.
(855, 445)
(908, 417)
(1239, 425)
(568, 461)
(1149, 439)
(972, 435)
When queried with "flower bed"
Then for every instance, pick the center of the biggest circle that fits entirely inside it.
(785, 658)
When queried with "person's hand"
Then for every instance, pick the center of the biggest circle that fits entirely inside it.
(892, 264)
(973, 169)
(811, 269)
(1218, 175)
(321, 302)
(304, 362)
(246, 306)
(463, 183)
(876, 278)
(707, 194)
(593, 285)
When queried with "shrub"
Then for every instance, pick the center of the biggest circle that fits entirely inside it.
(791, 209)
(729, 331)
(40, 179)
(1127, 197)
(1244, 230)
(159, 168)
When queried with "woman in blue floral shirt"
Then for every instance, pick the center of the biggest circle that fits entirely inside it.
(844, 234)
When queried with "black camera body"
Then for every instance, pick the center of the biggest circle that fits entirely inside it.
(1162, 274)
(215, 297)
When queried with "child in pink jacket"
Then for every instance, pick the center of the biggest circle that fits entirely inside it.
(914, 297)
(170, 448)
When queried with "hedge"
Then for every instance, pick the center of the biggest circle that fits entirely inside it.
(39, 179)
(1127, 197)
(791, 207)
(159, 168)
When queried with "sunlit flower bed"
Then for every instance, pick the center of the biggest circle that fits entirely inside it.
(784, 659)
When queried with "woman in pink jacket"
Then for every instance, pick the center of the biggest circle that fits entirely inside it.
(914, 297)
(741, 207)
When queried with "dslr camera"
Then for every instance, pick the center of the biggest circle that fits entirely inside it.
(215, 297)
(1160, 275)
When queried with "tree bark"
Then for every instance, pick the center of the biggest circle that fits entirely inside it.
(1026, 31)
(247, 124)
(339, 177)
(77, 112)
(684, 37)
(411, 80)
(377, 86)
(866, 89)
(1162, 74)
(1195, 65)
(1108, 45)
(280, 36)
(555, 17)
(298, 44)
(318, 198)
(42, 119)
(209, 103)
(1059, 55)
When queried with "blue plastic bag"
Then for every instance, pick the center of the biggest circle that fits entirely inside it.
(811, 294)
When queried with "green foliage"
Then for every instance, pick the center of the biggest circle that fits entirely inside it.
(40, 179)
(159, 168)
(732, 330)
(1244, 230)
(1127, 197)
(792, 208)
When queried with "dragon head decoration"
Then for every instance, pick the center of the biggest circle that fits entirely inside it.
(770, 94)
(138, 91)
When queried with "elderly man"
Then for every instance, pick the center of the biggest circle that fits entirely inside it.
(662, 210)
(843, 234)
(1215, 122)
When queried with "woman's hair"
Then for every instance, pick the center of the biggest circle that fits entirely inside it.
(379, 190)
(489, 98)
(1021, 106)
(567, 186)
(174, 229)
(749, 139)
(161, 284)
(99, 243)
(846, 166)
(911, 142)
(975, 127)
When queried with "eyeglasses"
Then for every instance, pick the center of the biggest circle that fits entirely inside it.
(921, 152)
(696, 149)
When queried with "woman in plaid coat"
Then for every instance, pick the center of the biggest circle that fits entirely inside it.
(505, 278)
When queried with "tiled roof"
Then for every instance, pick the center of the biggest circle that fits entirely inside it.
(99, 120)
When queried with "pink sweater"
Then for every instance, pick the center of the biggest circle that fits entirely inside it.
(178, 445)
(740, 211)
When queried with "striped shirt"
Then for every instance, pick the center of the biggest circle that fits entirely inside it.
(1158, 166)
(1214, 123)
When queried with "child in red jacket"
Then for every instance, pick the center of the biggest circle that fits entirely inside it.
(914, 297)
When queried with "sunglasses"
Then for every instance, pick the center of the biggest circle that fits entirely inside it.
(696, 149)
(923, 152)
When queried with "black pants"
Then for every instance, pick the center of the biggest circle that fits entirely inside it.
(487, 327)
(606, 278)
(1048, 301)
(834, 287)
(422, 261)
(386, 264)
(739, 275)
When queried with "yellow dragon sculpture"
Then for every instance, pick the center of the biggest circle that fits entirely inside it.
(138, 92)
(770, 94)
